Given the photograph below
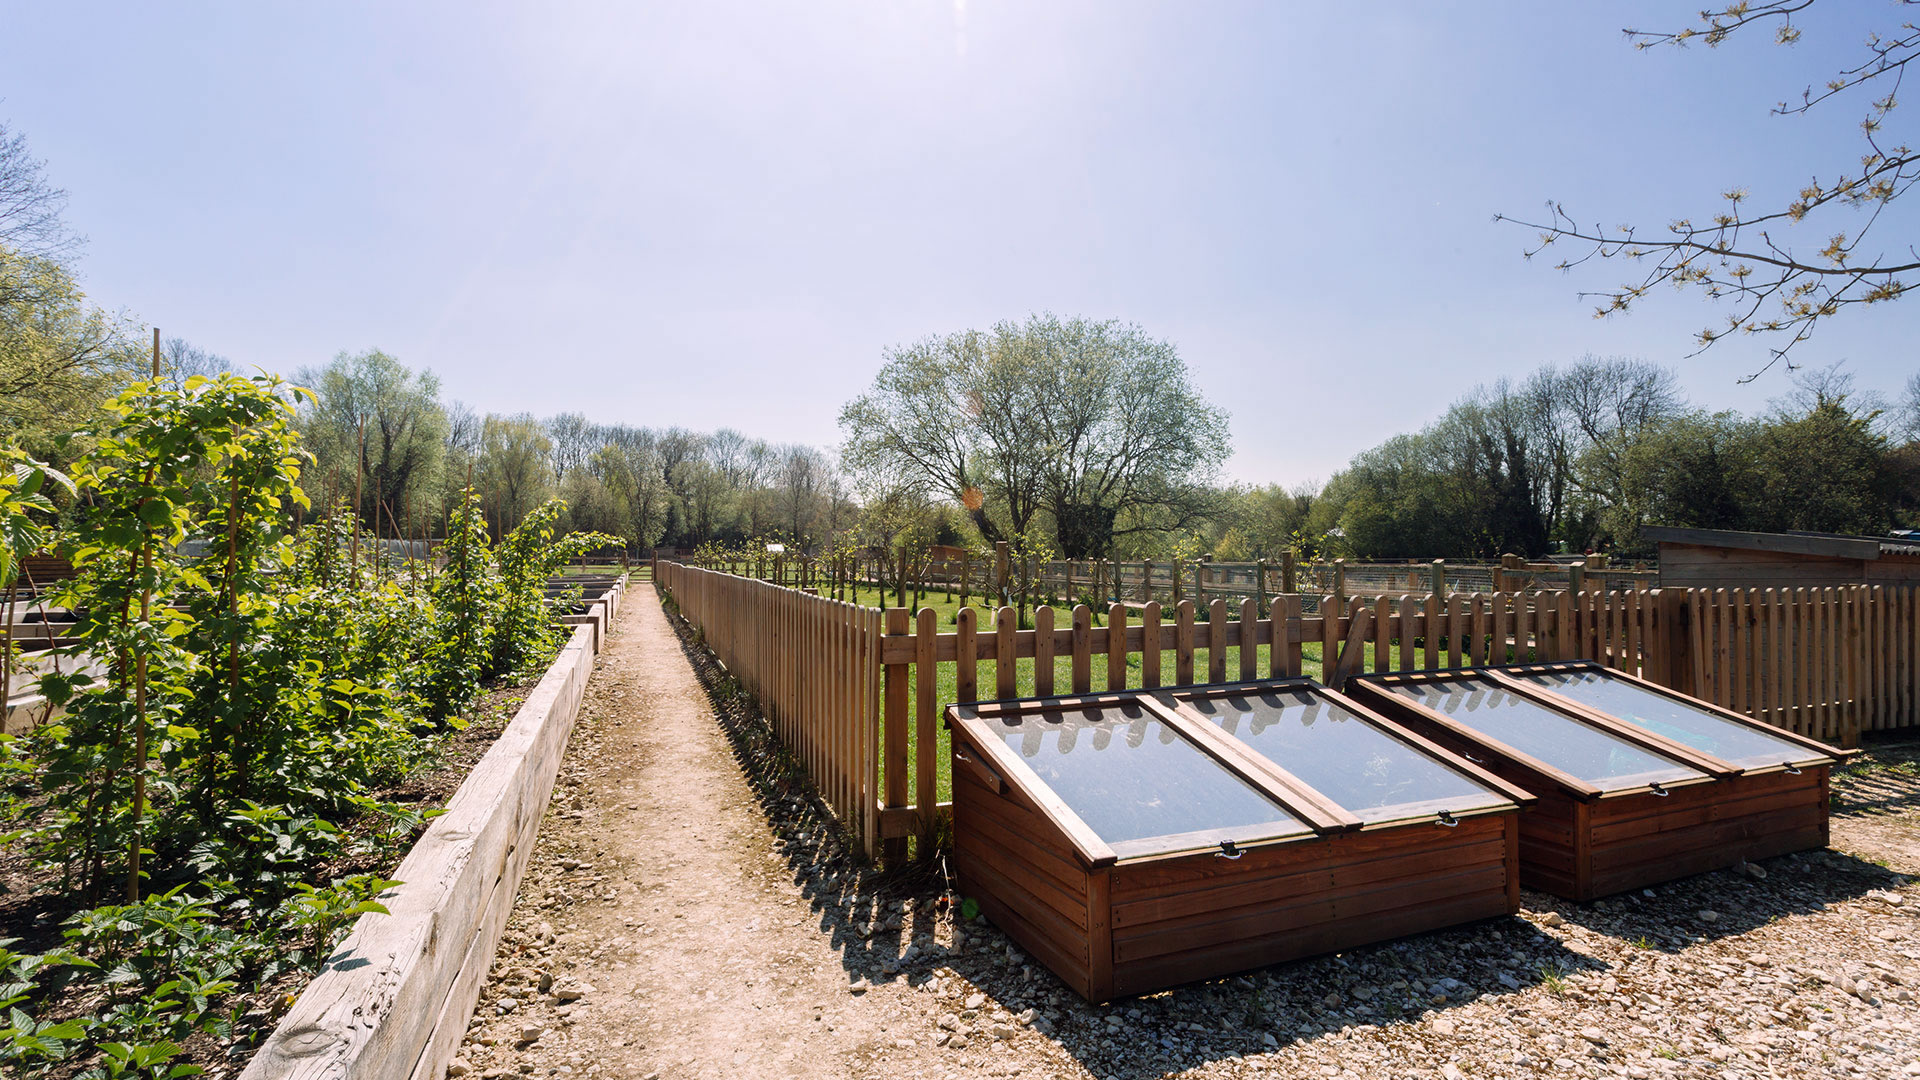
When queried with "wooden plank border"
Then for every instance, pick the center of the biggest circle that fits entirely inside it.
(393, 1001)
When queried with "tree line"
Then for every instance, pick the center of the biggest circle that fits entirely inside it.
(1581, 458)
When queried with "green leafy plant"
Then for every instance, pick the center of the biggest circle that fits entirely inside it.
(25, 1041)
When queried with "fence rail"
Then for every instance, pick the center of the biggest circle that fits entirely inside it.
(855, 690)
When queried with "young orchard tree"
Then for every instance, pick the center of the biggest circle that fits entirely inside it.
(1786, 266)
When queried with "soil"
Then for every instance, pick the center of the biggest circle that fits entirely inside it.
(691, 911)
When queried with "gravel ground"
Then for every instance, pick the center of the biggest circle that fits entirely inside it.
(691, 912)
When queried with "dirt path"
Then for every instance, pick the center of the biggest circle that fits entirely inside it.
(689, 913)
(698, 896)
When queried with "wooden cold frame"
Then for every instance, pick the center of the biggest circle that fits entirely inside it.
(1117, 926)
(1581, 841)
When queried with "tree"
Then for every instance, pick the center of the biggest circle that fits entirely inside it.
(1825, 470)
(406, 433)
(61, 358)
(1748, 257)
(515, 473)
(181, 360)
(633, 482)
(1696, 470)
(800, 494)
(574, 441)
(1511, 467)
(1094, 424)
(30, 208)
(1906, 416)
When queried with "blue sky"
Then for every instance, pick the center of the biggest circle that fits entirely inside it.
(720, 214)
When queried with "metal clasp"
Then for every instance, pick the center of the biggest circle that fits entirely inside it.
(1658, 790)
(1228, 851)
(1447, 819)
(1792, 769)
(958, 756)
(1471, 758)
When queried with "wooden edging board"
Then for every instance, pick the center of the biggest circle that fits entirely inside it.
(393, 1001)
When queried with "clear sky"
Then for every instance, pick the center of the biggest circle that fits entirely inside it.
(719, 214)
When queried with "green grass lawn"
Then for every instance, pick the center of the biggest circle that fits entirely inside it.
(946, 690)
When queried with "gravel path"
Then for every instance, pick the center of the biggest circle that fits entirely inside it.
(690, 912)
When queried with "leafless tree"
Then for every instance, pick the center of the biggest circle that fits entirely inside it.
(181, 360)
(573, 442)
(31, 208)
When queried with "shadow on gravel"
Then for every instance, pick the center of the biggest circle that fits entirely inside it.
(1884, 779)
(1726, 903)
(872, 917)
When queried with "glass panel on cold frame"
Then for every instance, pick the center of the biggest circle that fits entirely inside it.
(1690, 725)
(1601, 758)
(1369, 772)
(1138, 783)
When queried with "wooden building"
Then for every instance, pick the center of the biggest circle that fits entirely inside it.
(1637, 784)
(1137, 841)
(1721, 559)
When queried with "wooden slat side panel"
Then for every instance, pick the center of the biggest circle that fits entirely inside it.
(1003, 822)
(1066, 958)
(1315, 868)
(1342, 902)
(1289, 943)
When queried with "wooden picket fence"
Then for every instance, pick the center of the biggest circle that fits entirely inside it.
(1830, 663)
(854, 690)
(811, 663)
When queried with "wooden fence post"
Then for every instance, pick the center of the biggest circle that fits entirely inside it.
(1146, 581)
(1438, 586)
(1340, 582)
(926, 765)
(1260, 588)
(1286, 572)
(894, 734)
(1669, 642)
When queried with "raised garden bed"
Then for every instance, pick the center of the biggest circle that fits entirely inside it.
(394, 998)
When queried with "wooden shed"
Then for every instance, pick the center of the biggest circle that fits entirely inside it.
(1720, 559)
(1136, 841)
(1638, 784)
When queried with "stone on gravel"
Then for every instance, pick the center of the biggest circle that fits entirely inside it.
(459, 1067)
